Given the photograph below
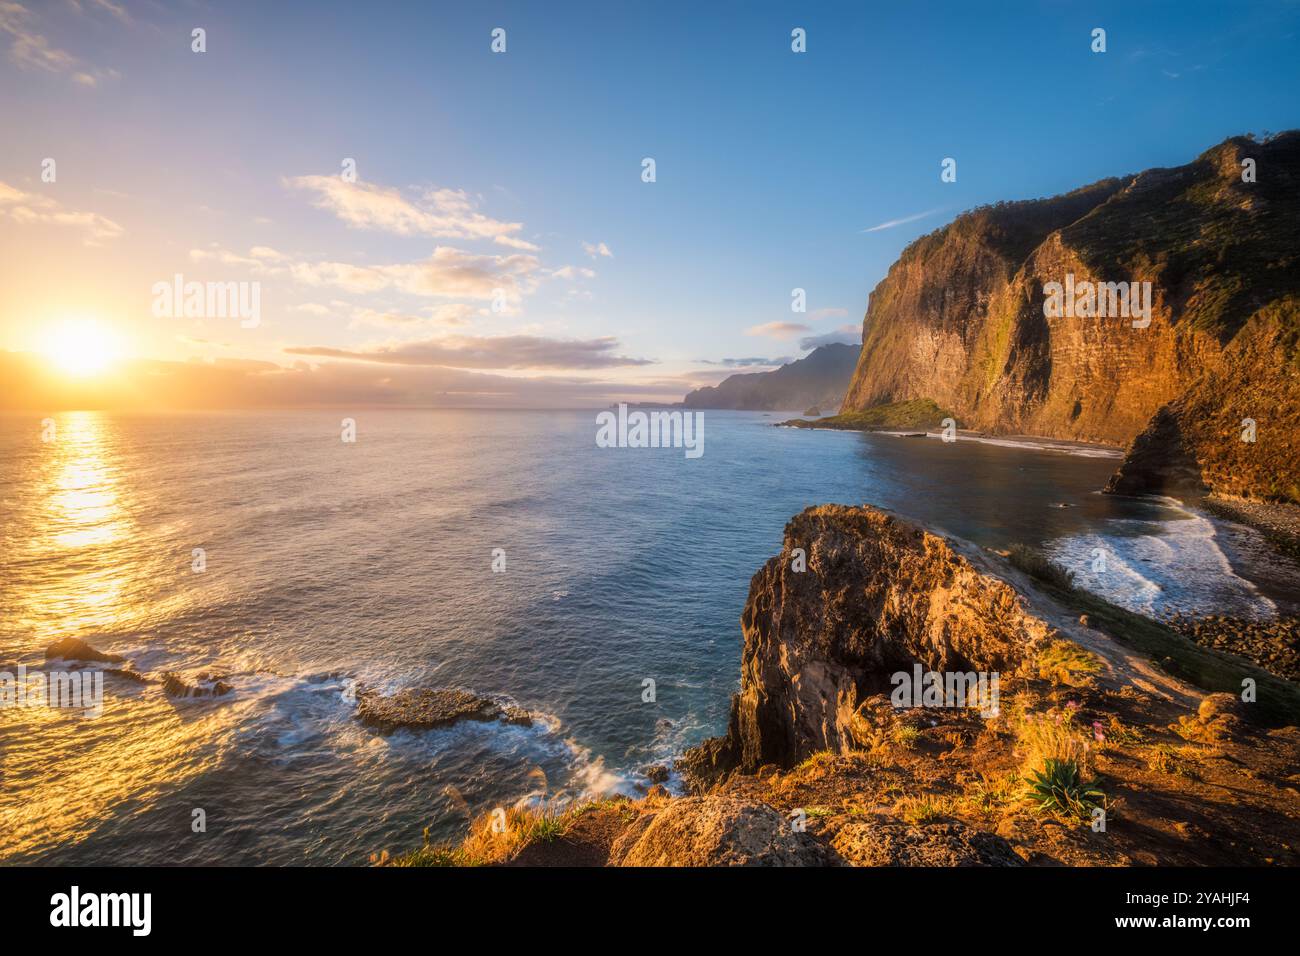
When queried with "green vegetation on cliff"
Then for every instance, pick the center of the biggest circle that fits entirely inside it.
(918, 413)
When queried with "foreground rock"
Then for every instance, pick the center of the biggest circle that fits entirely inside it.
(422, 709)
(936, 844)
(878, 595)
(74, 649)
(715, 831)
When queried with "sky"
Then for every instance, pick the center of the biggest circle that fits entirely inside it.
(500, 245)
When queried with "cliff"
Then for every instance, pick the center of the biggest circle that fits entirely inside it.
(818, 379)
(959, 320)
(1110, 741)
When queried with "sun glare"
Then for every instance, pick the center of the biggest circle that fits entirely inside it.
(80, 347)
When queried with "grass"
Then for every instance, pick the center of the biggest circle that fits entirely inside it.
(920, 810)
(987, 794)
(1064, 662)
(904, 735)
(1050, 736)
(916, 413)
(1165, 759)
(494, 837)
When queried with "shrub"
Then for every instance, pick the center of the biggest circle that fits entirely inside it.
(1060, 787)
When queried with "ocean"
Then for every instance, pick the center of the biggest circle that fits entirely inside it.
(329, 563)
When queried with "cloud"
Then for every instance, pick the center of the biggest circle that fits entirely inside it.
(30, 49)
(443, 213)
(26, 208)
(514, 243)
(778, 330)
(574, 272)
(750, 362)
(448, 314)
(152, 384)
(599, 249)
(484, 352)
(899, 222)
(259, 259)
(845, 335)
(448, 272)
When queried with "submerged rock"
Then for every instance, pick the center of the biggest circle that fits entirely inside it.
(75, 649)
(205, 685)
(715, 831)
(422, 709)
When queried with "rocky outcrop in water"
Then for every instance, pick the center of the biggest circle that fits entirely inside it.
(878, 595)
(204, 685)
(422, 709)
(74, 649)
(959, 320)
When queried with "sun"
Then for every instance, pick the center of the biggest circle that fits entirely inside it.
(80, 347)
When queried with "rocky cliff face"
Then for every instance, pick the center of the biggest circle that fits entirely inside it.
(878, 595)
(960, 320)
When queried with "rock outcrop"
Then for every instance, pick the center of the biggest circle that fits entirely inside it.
(423, 709)
(204, 685)
(878, 595)
(959, 320)
(938, 844)
(715, 831)
(75, 649)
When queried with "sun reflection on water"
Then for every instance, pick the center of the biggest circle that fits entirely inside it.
(86, 568)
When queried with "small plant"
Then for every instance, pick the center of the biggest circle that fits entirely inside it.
(919, 810)
(1064, 662)
(547, 828)
(905, 735)
(988, 793)
(1117, 732)
(1060, 788)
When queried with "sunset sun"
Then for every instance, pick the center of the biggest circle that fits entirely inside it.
(80, 347)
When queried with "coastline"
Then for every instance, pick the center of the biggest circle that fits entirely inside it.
(814, 734)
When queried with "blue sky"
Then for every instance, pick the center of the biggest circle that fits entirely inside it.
(770, 164)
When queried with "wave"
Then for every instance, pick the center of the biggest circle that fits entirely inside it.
(1159, 565)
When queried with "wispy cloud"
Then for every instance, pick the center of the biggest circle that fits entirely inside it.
(752, 362)
(448, 272)
(25, 208)
(778, 330)
(597, 249)
(900, 222)
(488, 352)
(31, 50)
(442, 213)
